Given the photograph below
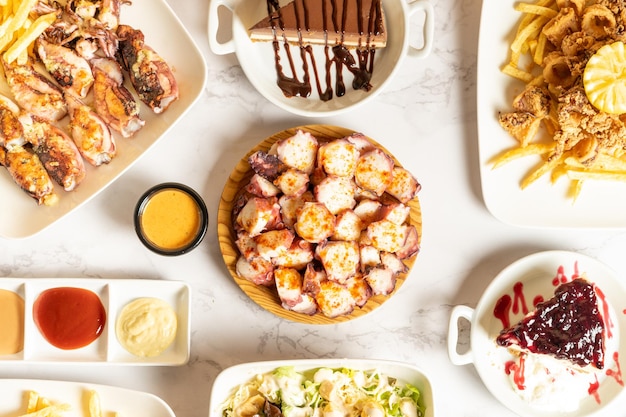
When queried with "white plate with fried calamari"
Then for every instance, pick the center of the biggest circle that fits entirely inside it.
(74, 396)
(163, 32)
(599, 205)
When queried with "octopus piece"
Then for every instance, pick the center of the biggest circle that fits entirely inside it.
(246, 246)
(362, 143)
(11, 130)
(298, 255)
(35, 93)
(370, 257)
(257, 270)
(262, 187)
(299, 151)
(292, 182)
(564, 23)
(70, 70)
(57, 151)
(290, 207)
(315, 223)
(393, 263)
(359, 289)
(266, 165)
(374, 171)
(368, 211)
(273, 243)
(289, 288)
(338, 157)
(336, 193)
(334, 300)
(411, 245)
(404, 186)
(348, 226)
(28, 172)
(90, 133)
(312, 279)
(113, 102)
(386, 236)
(382, 280)
(397, 213)
(258, 214)
(149, 74)
(341, 259)
(598, 21)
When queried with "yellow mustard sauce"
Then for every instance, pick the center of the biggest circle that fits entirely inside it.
(171, 219)
(146, 326)
(12, 323)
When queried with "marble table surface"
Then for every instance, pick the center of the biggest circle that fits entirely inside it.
(426, 116)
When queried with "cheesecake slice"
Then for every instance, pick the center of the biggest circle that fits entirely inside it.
(568, 326)
(351, 23)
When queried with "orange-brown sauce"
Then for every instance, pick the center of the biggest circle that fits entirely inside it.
(11, 322)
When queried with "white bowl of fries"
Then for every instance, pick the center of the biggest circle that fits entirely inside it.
(535, 185)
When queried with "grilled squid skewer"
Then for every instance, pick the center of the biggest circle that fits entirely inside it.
(149, 73)
(11, 131)
(69, 69)
(29, 173)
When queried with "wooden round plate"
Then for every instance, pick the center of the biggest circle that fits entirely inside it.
(267, 297)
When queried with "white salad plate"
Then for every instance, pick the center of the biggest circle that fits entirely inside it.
(163, 32)
(600, 205)
(114, 295)
(123, 402)
(257, 58)
(230, 378)
(537, 275)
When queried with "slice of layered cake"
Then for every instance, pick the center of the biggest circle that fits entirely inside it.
(569, 326)
(351, 23)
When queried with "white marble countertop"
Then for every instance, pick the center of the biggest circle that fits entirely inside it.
(426, 116)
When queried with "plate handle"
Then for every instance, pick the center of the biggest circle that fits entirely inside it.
(428, 28)
(458, 312)
(219, 48)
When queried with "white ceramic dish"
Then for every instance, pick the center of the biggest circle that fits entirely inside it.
(166, 34)
(229, 379)
(537, 272)
(542, 204)
(257, 58)
(114, 295)
(123, 401)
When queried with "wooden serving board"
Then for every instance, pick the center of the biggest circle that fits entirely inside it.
(267, 297)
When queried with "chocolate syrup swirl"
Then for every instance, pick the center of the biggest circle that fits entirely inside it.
(359, 62)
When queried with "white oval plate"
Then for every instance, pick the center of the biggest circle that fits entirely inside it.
(229, 379)
(112, 399)
(601, 204)
(536, 273)
(114, 294)
(166, 34)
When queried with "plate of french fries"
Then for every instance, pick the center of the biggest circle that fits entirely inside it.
(545, 159)
(164, 33)
(46, 398)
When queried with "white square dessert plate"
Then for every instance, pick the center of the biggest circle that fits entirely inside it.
(167, 36)
(121, 401)
(600, 205)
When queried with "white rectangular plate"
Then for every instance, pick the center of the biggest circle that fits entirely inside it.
(114, 294)
(600, 205)
(229, 379)
(164, 33)
(123, 401)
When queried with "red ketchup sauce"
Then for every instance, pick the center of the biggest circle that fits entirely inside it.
(69, 318)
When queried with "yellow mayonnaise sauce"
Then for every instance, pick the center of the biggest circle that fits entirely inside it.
(12, 322)
(171, 219)
(146, 326)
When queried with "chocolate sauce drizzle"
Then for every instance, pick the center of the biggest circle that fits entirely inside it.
(337, 55)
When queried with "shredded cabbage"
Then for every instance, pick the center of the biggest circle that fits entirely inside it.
(324, 392)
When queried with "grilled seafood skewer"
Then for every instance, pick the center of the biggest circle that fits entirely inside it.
(149, 73)
(90, 133)
(11, 131)
(29, 173)
(70, 70)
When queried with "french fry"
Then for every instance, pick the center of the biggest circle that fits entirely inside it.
(29, 36)
(539, 172)
(50, 411)
(94, 404)
(515, 72)
(531, 31)
(33, 399)
(536, 9)
(519, 152)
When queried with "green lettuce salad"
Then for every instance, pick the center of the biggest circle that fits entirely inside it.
(323, 392)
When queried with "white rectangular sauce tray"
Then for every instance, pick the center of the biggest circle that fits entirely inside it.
(114, 295)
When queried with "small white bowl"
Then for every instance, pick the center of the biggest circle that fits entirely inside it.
(230, 378)
(536, 273)
(257, 58)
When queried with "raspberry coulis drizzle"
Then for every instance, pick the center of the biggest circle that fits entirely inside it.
(506, 305)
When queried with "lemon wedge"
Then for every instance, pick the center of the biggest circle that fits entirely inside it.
(604, 78)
